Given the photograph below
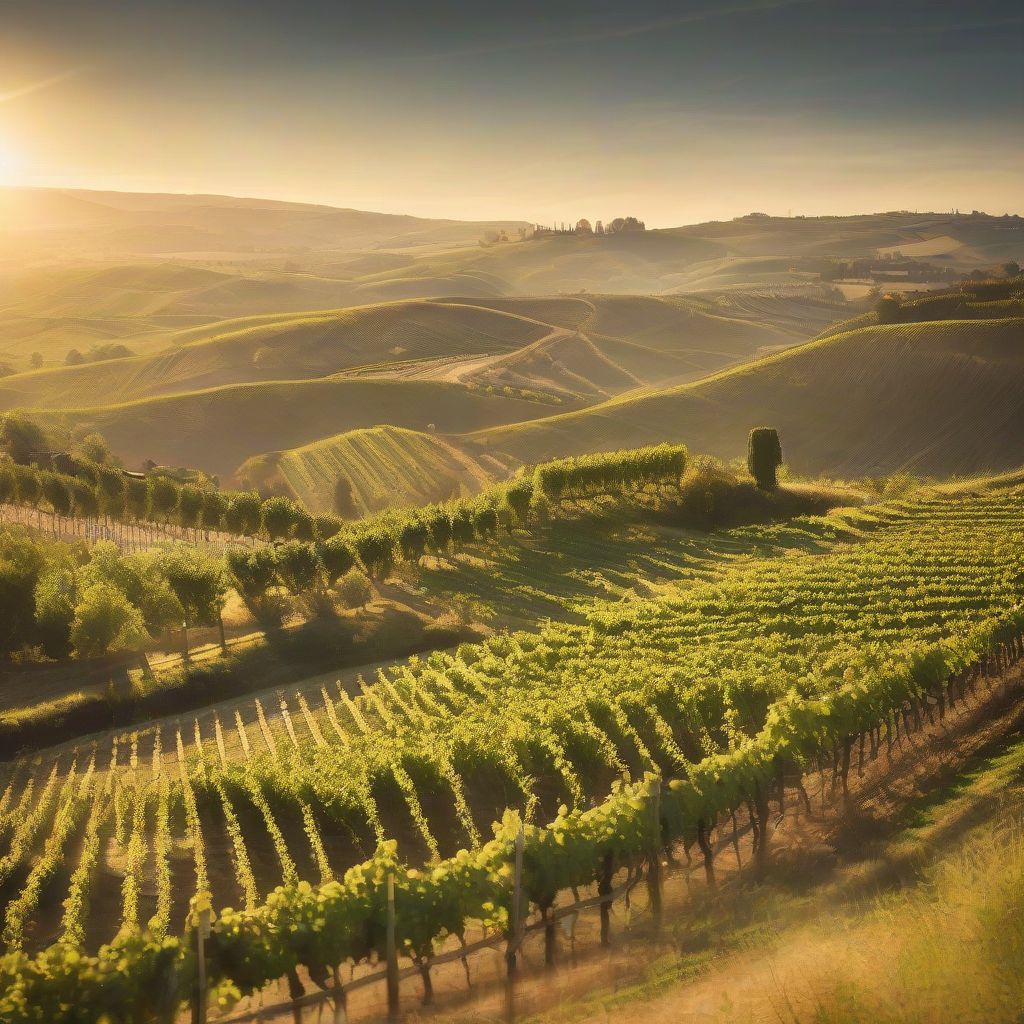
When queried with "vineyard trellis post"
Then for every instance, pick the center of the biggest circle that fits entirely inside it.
(516, 925)
(203, 925)
(391, 952)
(654, 864)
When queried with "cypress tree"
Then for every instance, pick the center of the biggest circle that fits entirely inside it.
(764, 456)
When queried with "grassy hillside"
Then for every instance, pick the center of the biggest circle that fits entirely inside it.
(588, 350)
(125, 222)
(386, 466)
(218, 428)
(940, 398)
(279, 347)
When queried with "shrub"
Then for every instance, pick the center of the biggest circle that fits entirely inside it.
(136, 498)
(26, 481)
(327, 526)
(764, 456)
(354, 589)
(215, 507)
(190, 506)
(518, 495)
(462, 525)
(303, 527)
(485, 520)
(57, 493)
(84, 498)
(20, 436)
(163, 497)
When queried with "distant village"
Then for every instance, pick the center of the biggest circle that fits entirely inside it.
(582, 227)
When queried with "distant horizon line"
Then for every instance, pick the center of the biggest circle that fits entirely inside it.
(954, 212)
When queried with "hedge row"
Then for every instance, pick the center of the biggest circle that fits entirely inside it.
(379, 543)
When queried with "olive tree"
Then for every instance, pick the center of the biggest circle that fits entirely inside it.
(105, 620)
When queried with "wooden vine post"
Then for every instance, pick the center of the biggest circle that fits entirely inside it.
(391, 950)
(516, 926)
(654, 863)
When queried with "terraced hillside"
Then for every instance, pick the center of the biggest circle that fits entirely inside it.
(385, 466)
(933, 398)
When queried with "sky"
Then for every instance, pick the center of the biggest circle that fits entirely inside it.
(672, 112)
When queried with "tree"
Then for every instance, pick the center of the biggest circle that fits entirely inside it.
(27, 482)
(337, 556)
(376, 550)
(35, 360)
(21, 563)
(139, 577)
(764, 456)
(462, 525)
(190, 506)
(94, 448)
(74, 358)
(20, 437)
(243, 514)
(278, 517)
(888, 309)
(8, 484)
(110, 485)
(57, 493)
(327, 526)
(163, 497)
(253, 574)
(199, 585)
(105, 620)
(344, 504)
(518, 495)
(412, 539)
(55, 597)
(583, 227)
(215, 507)
(84, 498)
(136, 498)
(298, 567)
(1011, 269)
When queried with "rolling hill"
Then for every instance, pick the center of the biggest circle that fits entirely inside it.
(385, 466)
(932, 398)
(130, 223)
(635, 340)
(463, 366)
(219, 428)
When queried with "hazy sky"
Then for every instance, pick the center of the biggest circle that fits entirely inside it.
(673, 112)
